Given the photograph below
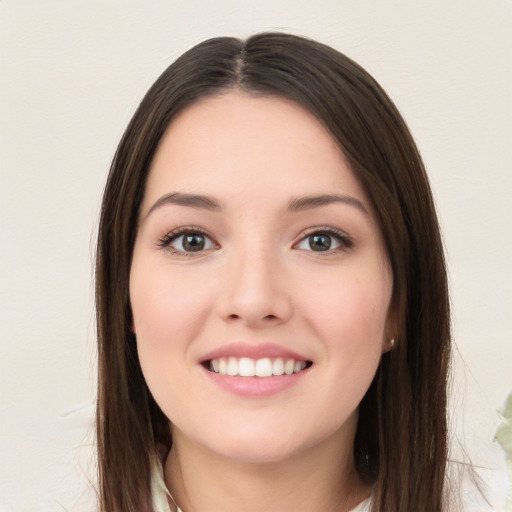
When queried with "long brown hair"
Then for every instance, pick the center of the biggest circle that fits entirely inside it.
(401, 439)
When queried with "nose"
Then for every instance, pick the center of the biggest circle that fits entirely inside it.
(254, 291)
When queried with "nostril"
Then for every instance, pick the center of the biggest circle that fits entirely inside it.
(234, 316)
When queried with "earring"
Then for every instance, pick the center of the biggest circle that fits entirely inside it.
(392, 342)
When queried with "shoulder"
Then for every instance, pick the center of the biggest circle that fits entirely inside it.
(364, 506)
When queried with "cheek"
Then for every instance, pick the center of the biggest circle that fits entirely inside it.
(349, 313)
(356, 306)
(167, 306)
(168, 312)
(351, 322)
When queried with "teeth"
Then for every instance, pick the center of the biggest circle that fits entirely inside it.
(289, 366)
(247, 367)
(264, 367)
(278, 367)
(232, 368)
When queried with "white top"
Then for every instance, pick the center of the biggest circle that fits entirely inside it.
(161, 493)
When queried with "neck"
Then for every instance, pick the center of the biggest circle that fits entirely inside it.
(319, 478)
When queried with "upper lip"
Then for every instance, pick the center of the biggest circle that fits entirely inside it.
(253, 351)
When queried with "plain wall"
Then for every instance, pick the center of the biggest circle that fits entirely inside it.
(72, 73)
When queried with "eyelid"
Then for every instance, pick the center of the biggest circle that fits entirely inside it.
(343, 238)
(345, 241)
(165, 241)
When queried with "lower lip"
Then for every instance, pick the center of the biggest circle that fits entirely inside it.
(255, 387)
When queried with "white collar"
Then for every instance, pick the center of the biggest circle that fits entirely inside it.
(161, 494)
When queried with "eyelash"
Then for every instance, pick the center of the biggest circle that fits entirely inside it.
(345, 242)
(166, 241)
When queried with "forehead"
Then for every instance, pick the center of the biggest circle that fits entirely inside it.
(234, 143)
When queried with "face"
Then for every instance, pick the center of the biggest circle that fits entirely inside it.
(260, 286)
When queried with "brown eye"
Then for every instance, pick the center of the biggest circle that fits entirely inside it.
(191, 242)
(319, 242)
(325, 241)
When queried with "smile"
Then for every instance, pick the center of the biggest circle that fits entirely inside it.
(263, 367)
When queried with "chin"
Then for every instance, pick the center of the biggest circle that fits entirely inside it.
(258, 452)
(264, 446)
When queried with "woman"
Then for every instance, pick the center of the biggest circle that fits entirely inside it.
(272, 302)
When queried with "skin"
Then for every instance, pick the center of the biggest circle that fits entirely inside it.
(259, 280)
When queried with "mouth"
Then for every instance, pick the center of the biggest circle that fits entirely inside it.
(263, 367)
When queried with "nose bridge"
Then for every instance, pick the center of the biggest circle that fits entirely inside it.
(254, 291)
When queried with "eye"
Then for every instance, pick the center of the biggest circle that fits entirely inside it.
(187, 241)
(324, 241)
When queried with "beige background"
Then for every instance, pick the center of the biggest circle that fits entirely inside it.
(72, 73)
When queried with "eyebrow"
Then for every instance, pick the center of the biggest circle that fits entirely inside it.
(191, 200)
(309, 202)
(297, 204)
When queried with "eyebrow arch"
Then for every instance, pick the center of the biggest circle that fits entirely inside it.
(295, 205)
(308, 202)
(191, 200)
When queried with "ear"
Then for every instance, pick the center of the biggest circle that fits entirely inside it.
(391, 329)
(388, 345)
(133, 333)
(131, 321)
